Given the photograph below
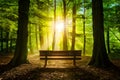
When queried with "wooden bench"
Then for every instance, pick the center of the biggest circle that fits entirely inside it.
(60, 55)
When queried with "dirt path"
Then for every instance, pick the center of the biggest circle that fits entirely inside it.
(57, 70)
(60, 74)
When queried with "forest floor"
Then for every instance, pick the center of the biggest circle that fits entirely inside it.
(56, 70)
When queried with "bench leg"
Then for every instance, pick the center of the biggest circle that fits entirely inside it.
(45, 61)
(74, 62)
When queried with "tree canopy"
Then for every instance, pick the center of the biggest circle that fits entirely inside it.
(60, 25)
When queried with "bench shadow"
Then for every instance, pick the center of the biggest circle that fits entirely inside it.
(74, 73)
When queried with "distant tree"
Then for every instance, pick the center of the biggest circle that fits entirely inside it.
(1, 40)
(20, 55)
(84, 33)
(108, 40)
(36, 36)
(7, 40)
(30, 40)
(99, 57)
(8, 18)
(65, 46)
(54, 32)
(73, 24)
(109, 12)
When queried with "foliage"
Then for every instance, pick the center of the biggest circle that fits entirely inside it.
(41, 17)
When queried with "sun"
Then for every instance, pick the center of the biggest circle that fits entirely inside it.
(59, 26)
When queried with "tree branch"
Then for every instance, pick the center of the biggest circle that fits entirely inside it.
(115, 35)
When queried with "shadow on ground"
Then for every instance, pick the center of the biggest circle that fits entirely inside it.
(57, 74)
(56, 70)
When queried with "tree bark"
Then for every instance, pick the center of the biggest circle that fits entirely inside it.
(20, 55)
(99, 57)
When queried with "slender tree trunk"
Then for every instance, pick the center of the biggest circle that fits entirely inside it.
(54, 32)
(84, 43)
(99, 57)
(7, 41)
(1, 39)
(73, 25)
(11, 42)
(65, 47)
(48, 10)
(41, 38)
(108, 40)
(41, 41)
(36, 36)
(20, 55)
(30, 40)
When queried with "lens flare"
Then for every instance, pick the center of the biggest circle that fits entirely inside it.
(59, 26)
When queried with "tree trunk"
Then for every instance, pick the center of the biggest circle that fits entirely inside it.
(73, 25)
(30, 40)
(54, 32)
(7, 41)
(11, 42)
(1, 39)
(108, 40)
(41, 38)
(20, 55)
(84, 43)
(65, 47)
(99, 57)
(36, 36)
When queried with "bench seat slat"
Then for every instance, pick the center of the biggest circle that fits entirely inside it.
(60, 54)
(61, 51)
(60, 58)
